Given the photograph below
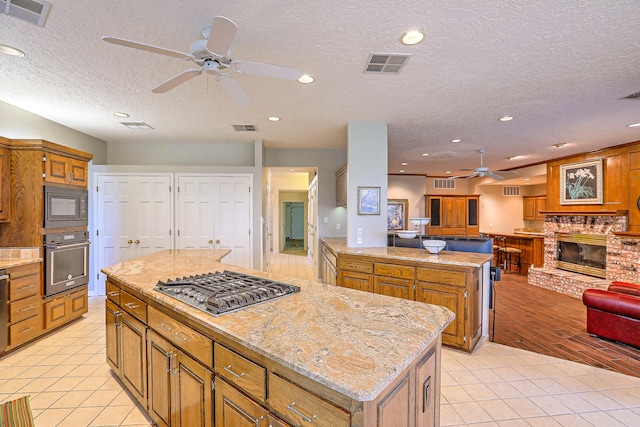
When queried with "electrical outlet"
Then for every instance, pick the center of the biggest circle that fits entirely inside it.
(359, 240)
(326, 220)
(360, 233)
(338, 226)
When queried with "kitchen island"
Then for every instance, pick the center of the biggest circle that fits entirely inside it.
(325, 356)
(457, 280)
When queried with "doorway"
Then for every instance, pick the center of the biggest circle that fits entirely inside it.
(293, 223)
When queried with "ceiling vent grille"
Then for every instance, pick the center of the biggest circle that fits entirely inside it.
(137, 125)
(245, 128)
(511, 190)
(35, 12)
(444, 184)
(633, 96)
(386, 63)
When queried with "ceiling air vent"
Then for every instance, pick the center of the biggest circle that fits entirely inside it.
(386, 63)
(137, 125)
(444, 184)
(633, 96)
(32, 11)
(245, 128)
(511, 190)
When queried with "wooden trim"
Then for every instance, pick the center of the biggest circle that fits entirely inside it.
(587, 213)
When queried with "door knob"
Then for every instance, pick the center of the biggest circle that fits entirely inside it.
(129, 241)
(137, 241)
(210, 241)
(217, 241)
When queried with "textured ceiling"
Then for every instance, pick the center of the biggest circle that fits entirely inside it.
(559, 67)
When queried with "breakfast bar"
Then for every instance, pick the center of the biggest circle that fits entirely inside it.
(323, 356)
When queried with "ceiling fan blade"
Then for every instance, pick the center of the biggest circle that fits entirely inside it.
(147, 47)
(233, 89)
(177, 80)
(222, 32)
(265, 70)
(501, 171)
(494, 176)
(464, 176)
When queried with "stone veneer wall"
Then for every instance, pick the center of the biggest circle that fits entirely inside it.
(623, 254)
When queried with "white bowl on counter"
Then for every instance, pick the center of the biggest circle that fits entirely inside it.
(434, 246)
(420, 221)
(407, 234)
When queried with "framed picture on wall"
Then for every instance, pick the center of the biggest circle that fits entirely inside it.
(581, 183)
(368, 200)
(397, 214)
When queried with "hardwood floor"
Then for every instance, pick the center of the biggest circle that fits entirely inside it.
(546, 322)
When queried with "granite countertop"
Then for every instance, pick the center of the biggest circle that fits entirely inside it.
(463, 259)
(350, 341)
(15, 257)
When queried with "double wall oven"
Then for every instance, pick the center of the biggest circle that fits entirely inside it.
(66, 253)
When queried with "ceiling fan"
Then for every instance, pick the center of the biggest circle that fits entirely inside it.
(482, 171)
(213, 55)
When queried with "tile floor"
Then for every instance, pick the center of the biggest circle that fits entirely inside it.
(71, 385)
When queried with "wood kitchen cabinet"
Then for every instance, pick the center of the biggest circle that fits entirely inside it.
(25, 303)
(59, 169)
(453, 215)
(233, 409)
(457, 288)
(328, 266)
(66, 306)
(341, 187)
(5, 180)
(533, 206)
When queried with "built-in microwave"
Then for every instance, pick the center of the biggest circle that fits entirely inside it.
(65, 207)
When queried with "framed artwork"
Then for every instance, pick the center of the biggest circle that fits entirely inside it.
(368, 200)
(397, 214)
(581, 183)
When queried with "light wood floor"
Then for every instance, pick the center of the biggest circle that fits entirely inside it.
(292, 266)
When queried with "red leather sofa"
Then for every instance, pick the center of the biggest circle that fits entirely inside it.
(615, 313)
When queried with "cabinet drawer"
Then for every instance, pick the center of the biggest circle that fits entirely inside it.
(113, 293)
(329, 255)
(133, 306)
(456, 278)
(25, 331)
(303, 408)
(239, 371)
(353, 265)
(24, 270)
(182, 336)
(24, 286)
(394, 270)
(25, 308)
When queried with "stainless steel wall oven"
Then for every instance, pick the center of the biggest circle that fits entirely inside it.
(66, 261)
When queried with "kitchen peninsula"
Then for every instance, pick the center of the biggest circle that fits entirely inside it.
(456, 280)
(324, 356)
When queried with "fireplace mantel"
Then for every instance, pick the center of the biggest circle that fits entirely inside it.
(599, 213)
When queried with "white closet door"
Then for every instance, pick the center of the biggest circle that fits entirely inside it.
(232, 218)
(133, 217)
(194, 201)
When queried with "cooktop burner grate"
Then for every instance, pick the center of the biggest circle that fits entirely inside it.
(224, 292)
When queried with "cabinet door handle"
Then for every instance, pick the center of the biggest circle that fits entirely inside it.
(31, 307)
(296, 411)
(228, 369)
(116, 316)
(177, 336)
(426, 393)
(132, 305)
(25, 287)
(164, 327)
(26, 329)
(172, 355)
(113, 294)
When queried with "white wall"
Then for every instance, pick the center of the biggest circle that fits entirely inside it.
(368, 164)
(411, 188)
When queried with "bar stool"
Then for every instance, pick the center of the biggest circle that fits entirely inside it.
(507, 255)
(496, 249)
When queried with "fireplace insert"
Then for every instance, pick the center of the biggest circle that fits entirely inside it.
(582, 253)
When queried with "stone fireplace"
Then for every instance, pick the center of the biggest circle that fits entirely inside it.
(622, 253)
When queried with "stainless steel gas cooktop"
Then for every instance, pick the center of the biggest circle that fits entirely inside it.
(224, 292)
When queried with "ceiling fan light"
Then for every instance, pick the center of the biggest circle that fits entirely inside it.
(412, 37)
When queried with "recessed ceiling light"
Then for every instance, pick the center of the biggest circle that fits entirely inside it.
(273, 119)
(10, 50)
(448, 172)
(425, 154)
(292, 170)
(560, 144)
(120, 114)
(412, 37)
(404, 163)
(633, 125)
(527, 179)
(456, 140)
(306, 79)
(512, 157)
(401, 170)
(505, 119)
